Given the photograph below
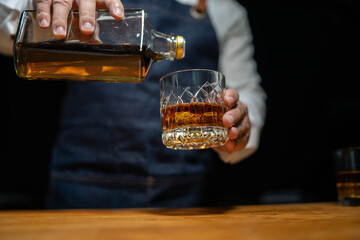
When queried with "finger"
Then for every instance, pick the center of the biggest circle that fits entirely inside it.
(235, 144)
(43, 13)
(231, 97)
(116, 8)
(233, 133)
(87, 16)
(229, 146)
(233, 116)
(61, 10)
(238, 136)
(240, 129)
(242, 140)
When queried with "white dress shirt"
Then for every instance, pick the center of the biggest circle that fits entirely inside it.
(236, 61)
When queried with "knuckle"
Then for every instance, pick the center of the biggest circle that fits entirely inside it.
(41, 14)
(248, 127)
(116, 3)
(242, 131)
(43, 2)
(239, 112)
(62, 3)
(87, 15)
(242, 105)
(243, 108)
(246, 108)
(234, 94)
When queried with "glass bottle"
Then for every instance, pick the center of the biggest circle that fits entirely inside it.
(118, 50)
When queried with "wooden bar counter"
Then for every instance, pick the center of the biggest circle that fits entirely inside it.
(286, 221)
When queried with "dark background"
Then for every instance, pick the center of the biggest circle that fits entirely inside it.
(307, 54)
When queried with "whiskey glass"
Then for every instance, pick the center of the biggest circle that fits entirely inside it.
(347, 162)
(192, 108)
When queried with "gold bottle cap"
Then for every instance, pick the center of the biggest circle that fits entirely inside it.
(180, 47)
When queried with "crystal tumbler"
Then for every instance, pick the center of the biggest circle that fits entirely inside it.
(192, 108)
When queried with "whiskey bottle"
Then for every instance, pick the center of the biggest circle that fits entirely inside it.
(119, 50)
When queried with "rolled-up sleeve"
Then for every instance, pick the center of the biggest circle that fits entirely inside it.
(238, 65)
(10, 12)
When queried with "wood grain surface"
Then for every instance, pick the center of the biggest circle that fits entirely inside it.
(287, 221)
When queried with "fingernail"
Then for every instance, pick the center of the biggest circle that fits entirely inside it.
(88, 26)
(119, 12)
(44, 23)
(60, 30)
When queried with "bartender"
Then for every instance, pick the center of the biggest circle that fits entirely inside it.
(108, 152)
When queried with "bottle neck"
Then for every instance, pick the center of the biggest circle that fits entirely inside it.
(168, 47)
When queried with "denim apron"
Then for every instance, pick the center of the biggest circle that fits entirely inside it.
(109, 153)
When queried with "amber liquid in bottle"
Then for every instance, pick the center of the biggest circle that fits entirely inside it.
(108, 63)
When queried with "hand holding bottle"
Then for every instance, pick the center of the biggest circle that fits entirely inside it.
(61, 8)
